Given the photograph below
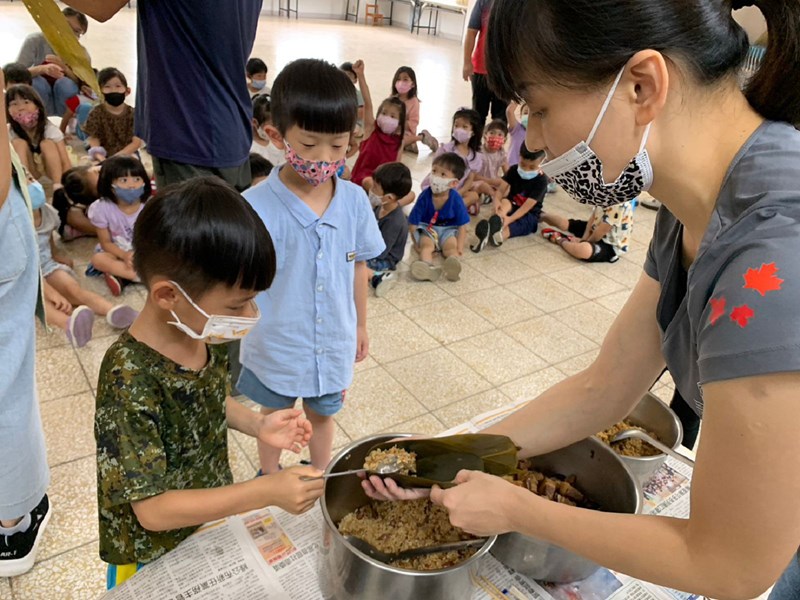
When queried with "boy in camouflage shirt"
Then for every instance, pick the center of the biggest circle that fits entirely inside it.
(163, 409)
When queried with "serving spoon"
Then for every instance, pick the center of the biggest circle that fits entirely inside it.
(371, 551)
(387, 466)
(641, 435)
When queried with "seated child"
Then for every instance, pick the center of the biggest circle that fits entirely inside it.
(495, 161)
(438, 222)
(604, 238)
(123, 187)
(110, 123)
(39, 144)
(78, 108)
(391, 182)
(72, 201)
(256, 71)
(358, 130)
(260, 168)
(404, 86)
(519, 210)
(67, 305)
(15, 73)
(163, 404)
(262, 120)
(517, 129)
(466, 143)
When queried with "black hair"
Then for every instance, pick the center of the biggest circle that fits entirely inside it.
(76, 186)
(255, 66)
(453, 162)
(476, 122)
(498, 124)
(259, 166)
(17, 73)
(530, 154)
(394, 178)
(557, 42)
(347, 67)
(202, 233)
(262, 111)
(400, 106)
(82, 20)
(412, 93)
(121, 166)
(26, 92)
(314, 95)
(109, 73)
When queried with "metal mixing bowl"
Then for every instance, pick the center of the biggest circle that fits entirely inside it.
(604, 478)
(346, 573)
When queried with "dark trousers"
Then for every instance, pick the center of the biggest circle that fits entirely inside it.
(483, 99)
(688, 418)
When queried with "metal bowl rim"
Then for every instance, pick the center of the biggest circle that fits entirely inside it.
(660, 456)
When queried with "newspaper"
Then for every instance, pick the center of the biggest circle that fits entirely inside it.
(271, 555)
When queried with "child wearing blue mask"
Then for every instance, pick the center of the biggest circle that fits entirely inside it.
(518, 203)
(313, 324)
(517, 129)
(123, 187)
(256, 71)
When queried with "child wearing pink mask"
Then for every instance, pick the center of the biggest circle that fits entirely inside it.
(404, 86)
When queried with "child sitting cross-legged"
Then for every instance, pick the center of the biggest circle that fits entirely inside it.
(518, 203)
(439, 219)
(391, 182)
(163, 404)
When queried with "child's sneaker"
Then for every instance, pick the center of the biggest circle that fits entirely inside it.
(482, 233)
(79, 326)
(496, 230)
(473, 210)
(121, 316)
(423, 271)
(18, 549)
(452, 268)
(430, 141)
(486, 199)
(114, 284)
(383, 282)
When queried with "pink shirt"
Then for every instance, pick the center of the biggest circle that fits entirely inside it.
(412, 115)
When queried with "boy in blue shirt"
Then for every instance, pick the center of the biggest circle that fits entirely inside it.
(438, 222)
(313, 323)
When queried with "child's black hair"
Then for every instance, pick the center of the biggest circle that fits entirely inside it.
(202, 233)
(26, 92)
(394, 178)
(477, 126)
(109, 73)
(17, 73)
(75, 190)
(255, 66)
(82, 20)
(453, 162)
(412, 93)
(259, 166)
(400, 106)
(262, 109)
(347, 67)
(530, 154)
(314, 95)
(497, 125)
(121, 166)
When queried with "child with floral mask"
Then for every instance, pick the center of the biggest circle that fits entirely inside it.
(495, 161)
(123, 186)
(313, 319)
(262, 118)
(517, 129)
(404, 86)
(465, 141)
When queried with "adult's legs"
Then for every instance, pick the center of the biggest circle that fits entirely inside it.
(169, 171)
(688, 418)
(45, 91)
(63, 90)
(481, 95)
(498, 107)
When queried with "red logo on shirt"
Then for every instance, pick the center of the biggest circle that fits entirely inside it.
(741, 315)
(763, 279)
(717, 309)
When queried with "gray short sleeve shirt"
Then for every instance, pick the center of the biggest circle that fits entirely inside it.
(735, 312)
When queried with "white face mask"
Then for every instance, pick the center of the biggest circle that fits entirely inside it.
(440, 185)
(262, 134)
(374, 200)
(219, 329)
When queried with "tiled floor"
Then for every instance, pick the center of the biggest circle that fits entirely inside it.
(522, 317)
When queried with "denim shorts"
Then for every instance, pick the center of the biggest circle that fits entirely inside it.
(443, 233)
(251, 386)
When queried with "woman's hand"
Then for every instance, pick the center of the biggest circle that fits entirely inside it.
(477, 504)
(286, 429)
(378, 488)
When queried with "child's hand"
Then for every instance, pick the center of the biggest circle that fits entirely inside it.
(286, 490)
(285, 429)
(129, 259)
(358, 68)
(362, 343)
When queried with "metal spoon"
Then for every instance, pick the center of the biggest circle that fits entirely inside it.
(636, 433)
(370, 550)
(388, 466)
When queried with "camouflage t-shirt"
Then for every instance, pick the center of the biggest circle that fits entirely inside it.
(159, 426)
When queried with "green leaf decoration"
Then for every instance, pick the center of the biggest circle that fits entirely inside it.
(440, 459)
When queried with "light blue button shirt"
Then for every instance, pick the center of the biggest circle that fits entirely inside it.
(305, 343)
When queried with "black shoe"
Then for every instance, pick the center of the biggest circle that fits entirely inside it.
(482, 233)
(18, 550)
(496, 230)
(383, 283)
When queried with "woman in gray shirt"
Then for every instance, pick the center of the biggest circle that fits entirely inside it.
(651, 87)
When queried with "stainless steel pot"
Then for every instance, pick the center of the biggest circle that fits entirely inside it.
(653, 415)
(346, 573)
(604, 478)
